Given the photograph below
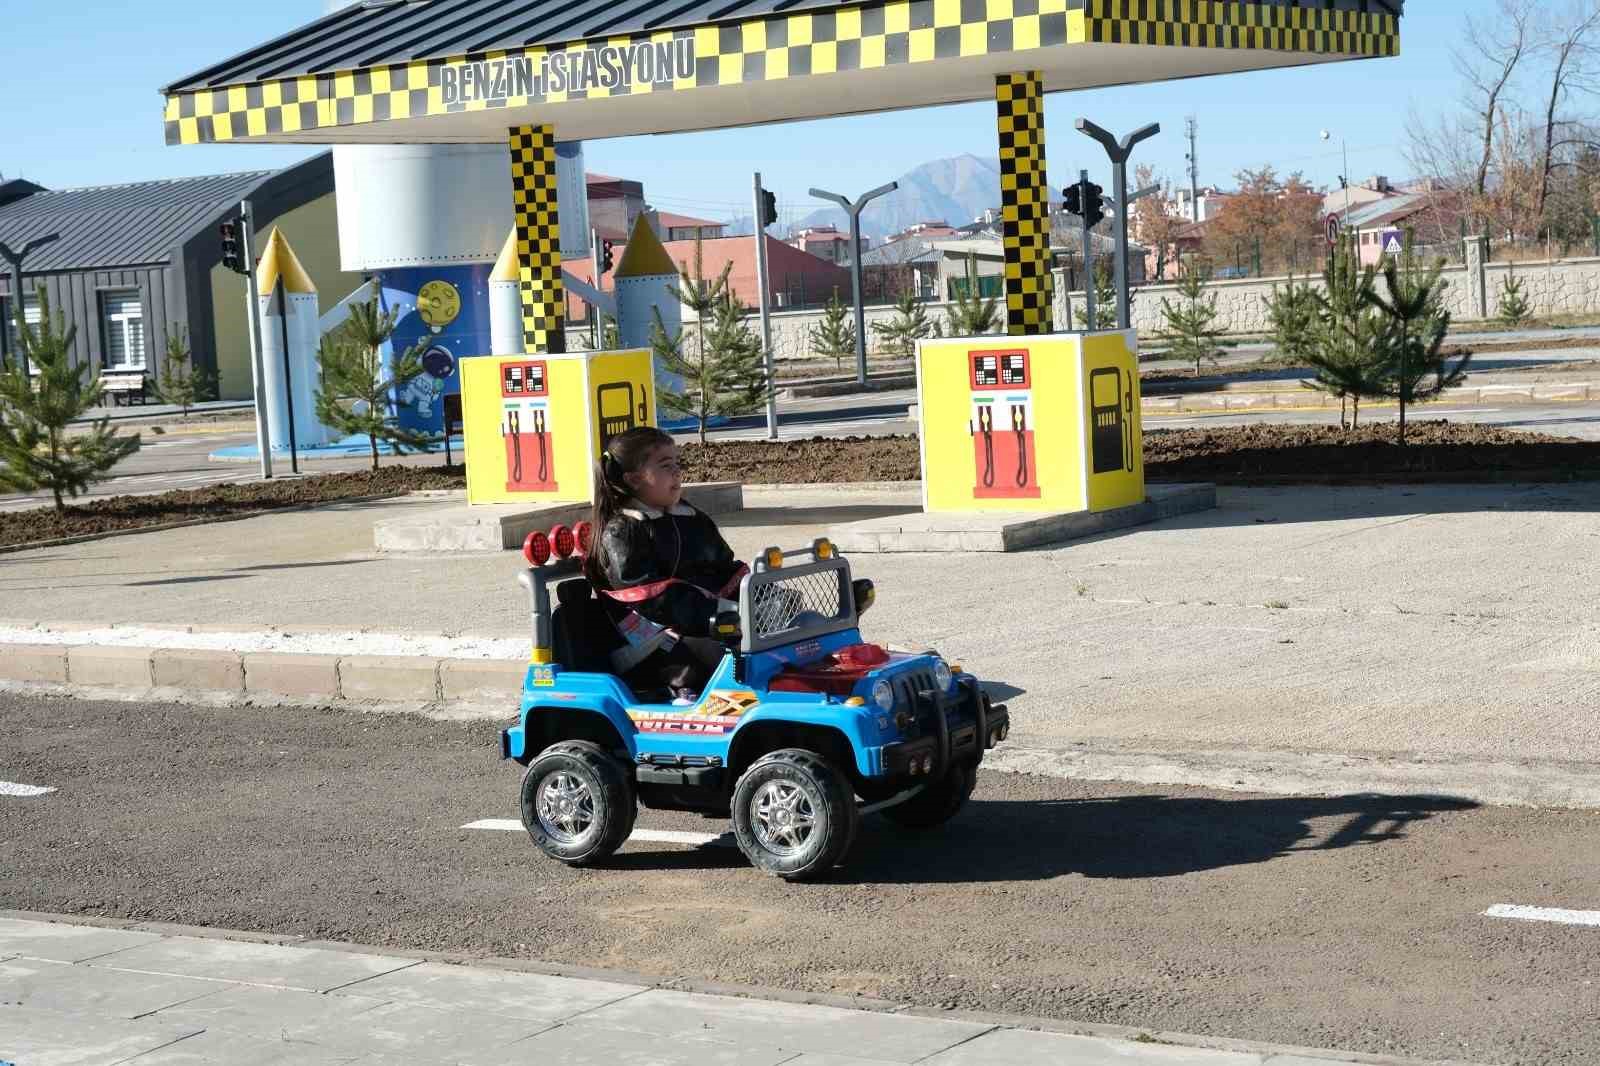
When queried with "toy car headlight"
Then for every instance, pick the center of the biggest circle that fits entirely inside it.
(883, 696)
(942, 676)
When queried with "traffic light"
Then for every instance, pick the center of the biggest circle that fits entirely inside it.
(769, 208)
(1094, 205)
(1072, 199)
(606, 257)
(230, 248)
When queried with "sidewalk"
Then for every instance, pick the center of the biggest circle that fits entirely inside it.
(147, 995)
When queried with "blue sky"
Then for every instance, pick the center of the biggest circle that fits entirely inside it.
(79, 105)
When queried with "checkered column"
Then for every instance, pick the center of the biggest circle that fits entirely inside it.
(533, 192)
(1024, 202)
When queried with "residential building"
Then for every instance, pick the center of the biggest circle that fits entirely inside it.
(686, 228)
(1211, 202)
(1380, 226)
(137, 264)
(927, 231)
(795, 278)
(826, 242)
(1373, 189)
(614, 203)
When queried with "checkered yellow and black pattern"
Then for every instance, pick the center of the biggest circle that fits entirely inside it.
(775, 48)
(1024, 202)
(538, 228)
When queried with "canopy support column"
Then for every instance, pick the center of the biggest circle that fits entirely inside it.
(1024, 202)
(538, 237)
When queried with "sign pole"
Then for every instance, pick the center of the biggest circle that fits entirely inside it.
(766, 317)
(247, 238)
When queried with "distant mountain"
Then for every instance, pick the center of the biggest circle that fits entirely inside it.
(954, 190)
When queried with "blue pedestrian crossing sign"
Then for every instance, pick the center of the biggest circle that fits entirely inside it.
(1394, 242)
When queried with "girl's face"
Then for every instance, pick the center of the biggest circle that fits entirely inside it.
(659, 482)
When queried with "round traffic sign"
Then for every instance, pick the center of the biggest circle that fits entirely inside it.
(1333, 229)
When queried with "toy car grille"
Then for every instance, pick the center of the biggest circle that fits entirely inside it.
(791, 602)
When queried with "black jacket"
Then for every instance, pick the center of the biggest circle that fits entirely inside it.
(681, 552)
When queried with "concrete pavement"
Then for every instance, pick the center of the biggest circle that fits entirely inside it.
(123, 992)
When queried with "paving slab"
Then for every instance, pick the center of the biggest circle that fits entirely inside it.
(594, 1045)
(1022, 1047)
(33, 1037)
(221, 1048)
(264, 1011)
(405, 1030)
(309, 969)
(59, 942)
(63, 986)
(793, 1027)
(513, 995)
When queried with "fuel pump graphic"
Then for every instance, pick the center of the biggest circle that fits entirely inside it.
(617, 410)
(1002, 426)
(524, 392)
(1111, 421)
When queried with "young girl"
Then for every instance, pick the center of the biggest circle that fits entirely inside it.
(659, 565)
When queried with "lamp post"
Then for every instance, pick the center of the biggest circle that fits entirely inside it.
(854, 211)
(1119, 151)
(15, 259)
(1344, 178)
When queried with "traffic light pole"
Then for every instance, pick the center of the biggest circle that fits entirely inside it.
(766, 317)
(854, 211)
(247, 261)
(1119, 151)
(1084, 195)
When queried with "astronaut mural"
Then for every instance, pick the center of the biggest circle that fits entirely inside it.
(445, 308)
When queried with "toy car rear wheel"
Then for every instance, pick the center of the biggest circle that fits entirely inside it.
(578, 804)
(938, 802)
(794, 815)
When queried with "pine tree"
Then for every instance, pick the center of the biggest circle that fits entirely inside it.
(1192, 322)
(835, 335)
(182, 384)
(1105, 299)
(1411, 348)
(36, 451)
(1292, 313)
(971, 315)
(1515, 310)
(1345, 343)
(899, 335)
(727, 376)
(356, 390)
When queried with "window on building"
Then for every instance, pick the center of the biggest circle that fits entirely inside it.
(30, 311)
(122, 325)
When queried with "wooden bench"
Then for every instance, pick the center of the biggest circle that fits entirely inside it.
(124, 384)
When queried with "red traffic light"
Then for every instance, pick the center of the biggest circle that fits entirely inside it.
(536, 549)
(564, 542)
(584, 532)
(227, 231)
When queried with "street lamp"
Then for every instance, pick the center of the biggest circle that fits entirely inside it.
(854, 211)
(1344, 178)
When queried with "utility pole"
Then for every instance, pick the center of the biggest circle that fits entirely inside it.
(766, 215)
(15, 259)
(247, 266)
(1120, 151)
(288, 379)
(1192, 131)
(854, 211)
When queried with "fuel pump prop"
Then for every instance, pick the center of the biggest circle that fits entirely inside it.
(526, 397)
(533, 426)
(1002, 426)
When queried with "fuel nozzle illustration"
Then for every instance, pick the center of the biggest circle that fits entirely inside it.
(524, 391)
(1111, 421)
(1002, 391)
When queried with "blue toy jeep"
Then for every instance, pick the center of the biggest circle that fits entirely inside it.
(803, 728)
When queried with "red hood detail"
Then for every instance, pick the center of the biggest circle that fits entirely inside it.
(836, 674)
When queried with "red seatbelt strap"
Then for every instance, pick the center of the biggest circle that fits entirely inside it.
(640, 593)
(731, 589)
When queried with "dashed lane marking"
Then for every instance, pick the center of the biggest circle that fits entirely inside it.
(11, 788)
(649, 836)
(1544, 914)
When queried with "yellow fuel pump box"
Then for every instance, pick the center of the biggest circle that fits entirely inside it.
(533, 425)
(1044, 424)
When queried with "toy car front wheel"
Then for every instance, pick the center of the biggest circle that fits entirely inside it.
(577, 803)
(794, 816)
(938, 802)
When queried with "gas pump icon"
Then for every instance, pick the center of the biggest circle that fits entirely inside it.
(1002, 426)
(1111, 421)
(525, 425)
(618, 413)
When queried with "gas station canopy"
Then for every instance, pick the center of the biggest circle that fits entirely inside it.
(440, 71)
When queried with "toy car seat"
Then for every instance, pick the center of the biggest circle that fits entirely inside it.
(582, 632)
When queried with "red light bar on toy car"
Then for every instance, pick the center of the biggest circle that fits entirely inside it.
(563, 541)
(536, 549)
(584, 532)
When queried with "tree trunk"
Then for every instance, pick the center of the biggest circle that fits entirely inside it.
(373, 440)
(61, 507)
(1355, 412)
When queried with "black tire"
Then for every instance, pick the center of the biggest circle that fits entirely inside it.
(774, 794)
(589, 803)
(938, 802)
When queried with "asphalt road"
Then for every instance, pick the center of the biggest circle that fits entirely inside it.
(1352, 923)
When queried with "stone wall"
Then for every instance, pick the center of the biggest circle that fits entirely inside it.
(1562, 287)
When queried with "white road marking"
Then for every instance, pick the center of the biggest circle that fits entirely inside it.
(11, 788)
(650, 836)
(1543, 914)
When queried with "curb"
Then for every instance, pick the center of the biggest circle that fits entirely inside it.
(1267, 1051)
(1284, 399)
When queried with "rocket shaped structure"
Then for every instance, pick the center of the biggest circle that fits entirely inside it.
(505, 302)
(643, 283)
(290, 336)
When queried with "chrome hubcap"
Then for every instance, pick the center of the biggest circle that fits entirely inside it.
(565, 807)
(783, 817)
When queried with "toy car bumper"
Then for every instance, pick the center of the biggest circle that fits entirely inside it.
(965, 725)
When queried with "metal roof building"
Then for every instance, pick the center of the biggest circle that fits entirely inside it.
(135, 264)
